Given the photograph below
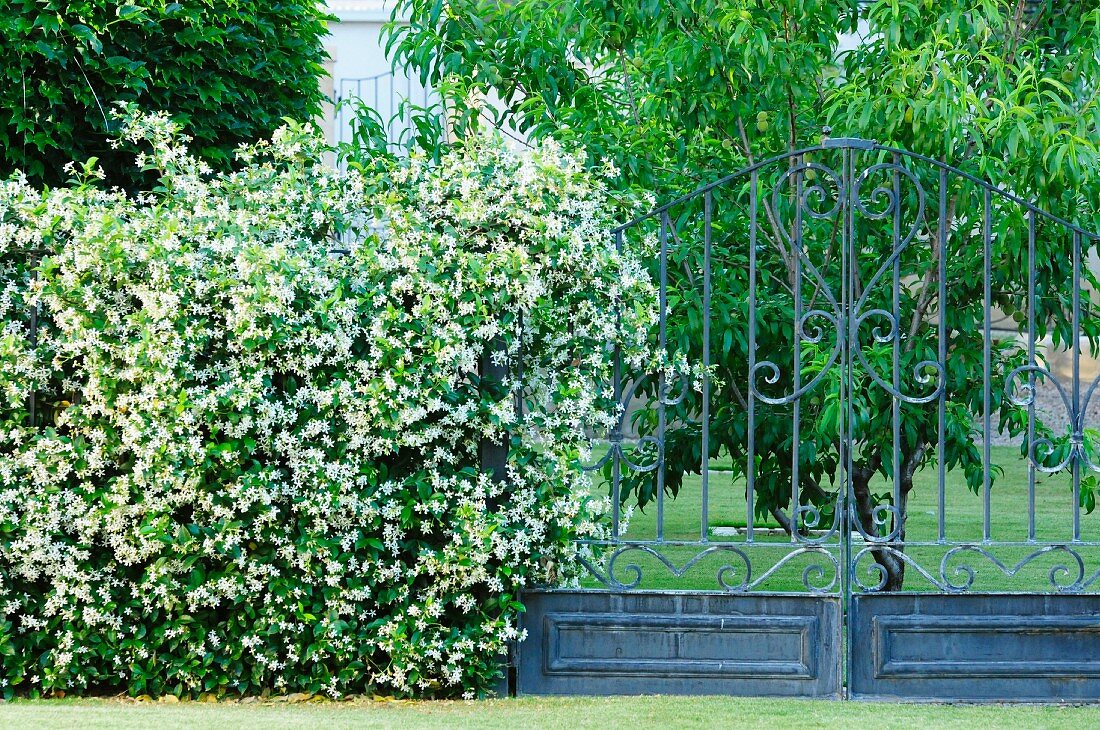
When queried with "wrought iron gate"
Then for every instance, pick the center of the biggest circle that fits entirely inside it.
(869, 473)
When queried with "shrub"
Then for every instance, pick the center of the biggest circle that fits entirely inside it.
(256, 461)
(228, 72)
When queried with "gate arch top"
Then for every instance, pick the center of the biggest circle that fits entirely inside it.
(865, 145)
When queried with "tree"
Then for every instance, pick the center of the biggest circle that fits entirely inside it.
(678, 94)
(229, 72)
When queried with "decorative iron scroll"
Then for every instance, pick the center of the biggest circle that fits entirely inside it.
(672, 392)
(814, 575)
(956, 575)
(1025, 394)
(927, 371)
(806, 329)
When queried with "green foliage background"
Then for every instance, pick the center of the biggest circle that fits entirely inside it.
(227, 71)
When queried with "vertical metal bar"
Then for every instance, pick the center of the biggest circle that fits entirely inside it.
(987, 235)
(851, 270)
(617, 434)
(847, 293)
(353, 122)
(1031, 375)
(354, 125)
(942, 332)
(705, 445)
(796, 405)
(895, 402)
(750, 446)
(1077, 416)
(661, 379)
(338, 93)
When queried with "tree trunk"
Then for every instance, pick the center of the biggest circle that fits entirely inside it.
(888, 556)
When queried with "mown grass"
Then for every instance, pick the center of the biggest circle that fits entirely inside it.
(598, 713)
(964, 517)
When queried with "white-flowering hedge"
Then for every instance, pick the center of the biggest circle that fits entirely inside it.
(255, 463)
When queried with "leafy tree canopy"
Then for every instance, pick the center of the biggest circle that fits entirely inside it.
(682, 92)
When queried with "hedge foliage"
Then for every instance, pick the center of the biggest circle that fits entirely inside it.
(228, 71)
(256, 460)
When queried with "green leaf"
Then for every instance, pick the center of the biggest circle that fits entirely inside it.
(88, 36)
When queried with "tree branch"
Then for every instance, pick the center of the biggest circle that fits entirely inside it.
(777, 235)
(931, 276)
(629, 86)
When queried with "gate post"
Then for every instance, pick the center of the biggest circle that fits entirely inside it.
(493, 453)
(493, 459)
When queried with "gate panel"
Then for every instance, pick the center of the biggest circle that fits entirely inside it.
(976, 647)
(982, 491)
(870, 383)
(614, 643)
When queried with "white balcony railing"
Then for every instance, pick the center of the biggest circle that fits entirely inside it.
(389, 95)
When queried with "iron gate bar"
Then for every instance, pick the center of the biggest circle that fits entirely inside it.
(1031, 375)
(705, 447)
(1078, 424)
(987, 343)
(662, 338)
(941, 351)
(846, 390)
(750, 471)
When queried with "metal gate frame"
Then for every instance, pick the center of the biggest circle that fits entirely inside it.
(949, 642)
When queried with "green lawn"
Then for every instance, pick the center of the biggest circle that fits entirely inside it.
(964, 517)
(601, 713)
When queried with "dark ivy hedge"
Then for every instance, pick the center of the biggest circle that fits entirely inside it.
(227, 71)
